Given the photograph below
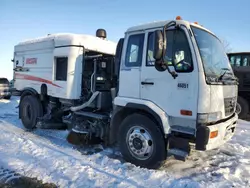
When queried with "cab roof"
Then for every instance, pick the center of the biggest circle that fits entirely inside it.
(89, 42)
(159, 24)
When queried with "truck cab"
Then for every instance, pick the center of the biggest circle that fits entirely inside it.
(179, 72)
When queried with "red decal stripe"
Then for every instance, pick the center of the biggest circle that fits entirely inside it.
(31, 60)
(34, 78)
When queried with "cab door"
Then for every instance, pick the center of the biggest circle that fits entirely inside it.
(130, 71)
(178, 95)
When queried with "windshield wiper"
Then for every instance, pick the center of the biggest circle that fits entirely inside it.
(232, 78)
(222, 75)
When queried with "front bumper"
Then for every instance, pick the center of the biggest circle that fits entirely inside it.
(225, 130)
(4, 90)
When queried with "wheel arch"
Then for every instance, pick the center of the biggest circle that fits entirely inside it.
(121, 112)
(28, 91)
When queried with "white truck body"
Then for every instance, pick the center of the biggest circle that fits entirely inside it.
(37, 62)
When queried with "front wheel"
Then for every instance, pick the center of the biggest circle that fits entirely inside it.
(141, 141)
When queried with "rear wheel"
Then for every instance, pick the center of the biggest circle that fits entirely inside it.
(242, 108)
(30, 110)
(141, 141)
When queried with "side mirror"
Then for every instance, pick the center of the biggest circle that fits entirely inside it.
(158, 44)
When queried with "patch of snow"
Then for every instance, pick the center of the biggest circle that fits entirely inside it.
(45, 154)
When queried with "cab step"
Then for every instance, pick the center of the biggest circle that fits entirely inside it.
(178, 154)
(178, 147)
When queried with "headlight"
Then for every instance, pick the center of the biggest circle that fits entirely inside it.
(209, 117)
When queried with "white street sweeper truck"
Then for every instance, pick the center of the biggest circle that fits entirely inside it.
(166, 87)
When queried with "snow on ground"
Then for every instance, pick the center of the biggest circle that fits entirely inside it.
(45, 154)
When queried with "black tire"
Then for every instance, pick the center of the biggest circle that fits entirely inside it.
(7, 97)
(159, 146)
(244, 107)
(30, 109)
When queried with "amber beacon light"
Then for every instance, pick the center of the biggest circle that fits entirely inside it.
(178, 18)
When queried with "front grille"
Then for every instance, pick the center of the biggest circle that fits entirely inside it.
(230, 105)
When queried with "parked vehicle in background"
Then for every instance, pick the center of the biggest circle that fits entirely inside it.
(240, 62)
(4, 88)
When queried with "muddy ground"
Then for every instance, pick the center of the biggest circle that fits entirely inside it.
(25, 182)
(10, 179)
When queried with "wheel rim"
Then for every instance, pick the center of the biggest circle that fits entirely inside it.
(238, 108)
(139, 142)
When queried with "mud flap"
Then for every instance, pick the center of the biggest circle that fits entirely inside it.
(202, 137)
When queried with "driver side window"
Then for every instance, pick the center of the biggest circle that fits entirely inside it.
(177, 53)
(182, 57)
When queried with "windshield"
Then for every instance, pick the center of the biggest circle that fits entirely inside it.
(214, 58)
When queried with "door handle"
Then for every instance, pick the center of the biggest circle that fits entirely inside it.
(147, 83)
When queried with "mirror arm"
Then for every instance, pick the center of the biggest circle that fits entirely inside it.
(173, 73)
(172, 23)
